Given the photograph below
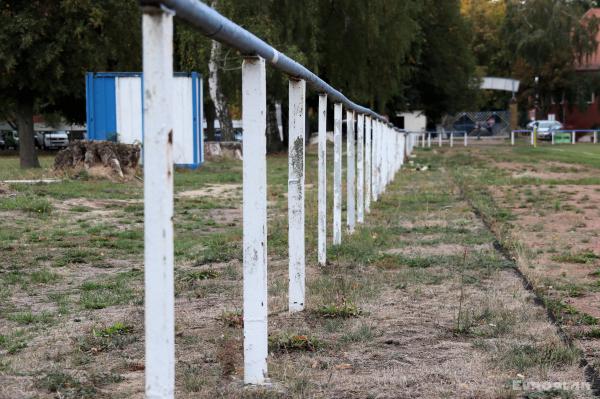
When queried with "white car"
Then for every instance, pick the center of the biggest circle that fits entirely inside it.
(53, 139)
(545, 128)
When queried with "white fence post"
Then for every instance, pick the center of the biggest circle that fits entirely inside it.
(296, 158)
(375, 160)
(439, 139)
(360, 167)
(322, 233)
(466, 138)
(512, 137)
(451, 139)
(337, 174)
(159, 298)
(552, 134)
(368, 128)
(428, 139)
(595, 137)
(350, 173)
(423, 140)
(573, 140)
(254, 107)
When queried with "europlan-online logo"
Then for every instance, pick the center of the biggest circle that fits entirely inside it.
(525, 385)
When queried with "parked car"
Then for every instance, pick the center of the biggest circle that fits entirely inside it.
(545, 128)
(9, 139)
(53, 139)
(238, 134)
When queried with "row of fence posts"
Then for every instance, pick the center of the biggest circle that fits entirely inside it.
(425, 139)
(573, 133)
(372, 162)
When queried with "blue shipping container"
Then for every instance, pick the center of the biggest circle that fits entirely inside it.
(114, 106)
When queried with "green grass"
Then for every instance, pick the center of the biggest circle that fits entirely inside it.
(14, 342)
(522, 357)
(116, 290)
(26, 203)
(28, 317)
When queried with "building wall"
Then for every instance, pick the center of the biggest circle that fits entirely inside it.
(575, 118)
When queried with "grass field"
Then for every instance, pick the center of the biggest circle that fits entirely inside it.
(418, 303)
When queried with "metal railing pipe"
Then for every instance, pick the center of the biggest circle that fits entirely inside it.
(217, 27)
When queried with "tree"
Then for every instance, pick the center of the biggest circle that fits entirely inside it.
(45, 50)
(546, 39)
(445, 81)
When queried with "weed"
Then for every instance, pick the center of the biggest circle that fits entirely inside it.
(521, 357)
(115, 336)
(232, 319)
(193, 378)
(293, 342)
(577, 257)
(43, 276)
(31, 318)
(13, 342)
(364, 332)
(344, 310)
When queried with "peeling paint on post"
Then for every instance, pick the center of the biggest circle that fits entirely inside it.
(254, 106)
(159, 315)
(360, 168)
(297, 123)
(368, 127)
(350, 173)
(337, 174)
(322, 228)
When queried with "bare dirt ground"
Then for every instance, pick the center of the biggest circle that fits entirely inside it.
(416, 304)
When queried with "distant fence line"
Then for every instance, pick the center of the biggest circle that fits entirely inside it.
(376, 150)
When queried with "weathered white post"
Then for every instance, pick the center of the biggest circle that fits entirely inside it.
(350, 173)
(159, 298)
(451, 139)
(573, 137)
(296, 159)
(375, 161)
(428, 139)
(360, 167)
(368, 128)
(439, 139)
(423, 140)
(512, 137)
(466, 138)
(337, 174)
(254, 111)
(322, 233)
(595, 137)
(552, 134)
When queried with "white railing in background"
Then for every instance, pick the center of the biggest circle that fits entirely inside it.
(571, 132)
(376, 153)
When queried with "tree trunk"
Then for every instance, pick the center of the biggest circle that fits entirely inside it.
(215, 90)
(27, 152)
(275, 137)
(209, 112)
